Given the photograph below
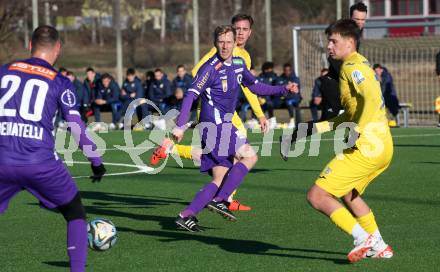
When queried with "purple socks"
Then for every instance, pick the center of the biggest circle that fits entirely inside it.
(77, 244)
(202, 198)
(232, 181)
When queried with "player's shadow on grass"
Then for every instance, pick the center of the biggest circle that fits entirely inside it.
(112, 205)
(241, 246)
(57, 263)
(115, 205)
(428, 162)
(416, 145)
(258, 170)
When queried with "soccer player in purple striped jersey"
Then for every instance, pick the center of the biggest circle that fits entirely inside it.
(218, 83)
(31, 94)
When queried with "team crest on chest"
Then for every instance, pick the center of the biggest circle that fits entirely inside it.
(225, 85)
(239, 78)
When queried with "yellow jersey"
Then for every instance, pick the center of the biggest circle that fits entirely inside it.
(238, 52)
(361, 99)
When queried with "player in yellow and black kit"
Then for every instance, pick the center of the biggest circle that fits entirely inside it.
(243, 25)
(349, 173)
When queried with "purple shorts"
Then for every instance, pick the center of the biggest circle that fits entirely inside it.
(220, 143)
(50, 182)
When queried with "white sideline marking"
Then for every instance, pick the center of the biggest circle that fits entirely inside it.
(258, 143)
(141, 169)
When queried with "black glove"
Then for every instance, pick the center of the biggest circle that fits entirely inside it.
(286, 141)
(98, 172)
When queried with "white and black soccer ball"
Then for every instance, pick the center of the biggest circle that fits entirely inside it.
(102, 234)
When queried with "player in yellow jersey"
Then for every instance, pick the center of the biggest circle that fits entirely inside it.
(243, 25)
(347, 176)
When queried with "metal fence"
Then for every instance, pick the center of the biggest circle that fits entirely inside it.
(408, 53)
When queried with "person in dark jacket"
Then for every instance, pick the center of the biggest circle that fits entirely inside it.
(182, 80)
(92, 83)
(325, 96)
(149, 78)
(292, 101)
(82, 96)
(388, 90)
(315, 102)
(175, 101)
(159, 90)
(132, 89)
(107, 99)
(269, 77)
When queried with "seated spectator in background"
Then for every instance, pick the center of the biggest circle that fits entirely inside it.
(92, 83)
(315, 103)
(175, 100)
(182, 80)
(149, 78)
(291, 100)
(388, 92)
(159, 90)
(269, 77)
(59, 120)
(107, 99)
(63, 71)
(132, 89)
(82, 97)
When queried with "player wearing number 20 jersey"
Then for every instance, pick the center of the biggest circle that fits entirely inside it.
(31, 94)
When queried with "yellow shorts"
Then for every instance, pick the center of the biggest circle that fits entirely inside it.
(353, 170)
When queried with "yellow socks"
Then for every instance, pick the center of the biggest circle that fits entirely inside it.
(368, 223)
(184, 151)
(344, 220)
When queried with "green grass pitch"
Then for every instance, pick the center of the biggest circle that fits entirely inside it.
(281, 233)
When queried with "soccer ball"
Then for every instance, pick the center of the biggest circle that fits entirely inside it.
(102, 234)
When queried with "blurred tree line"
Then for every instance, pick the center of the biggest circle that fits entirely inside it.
(86, 27)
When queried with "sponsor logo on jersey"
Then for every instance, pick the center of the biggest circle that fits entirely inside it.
(203, 81)
(357, 77)
(33, 70)
(218, 66)
(238, 61)
(225, 85)
(239, 70)
(68, 98)
(214, 61)
(222, 71)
